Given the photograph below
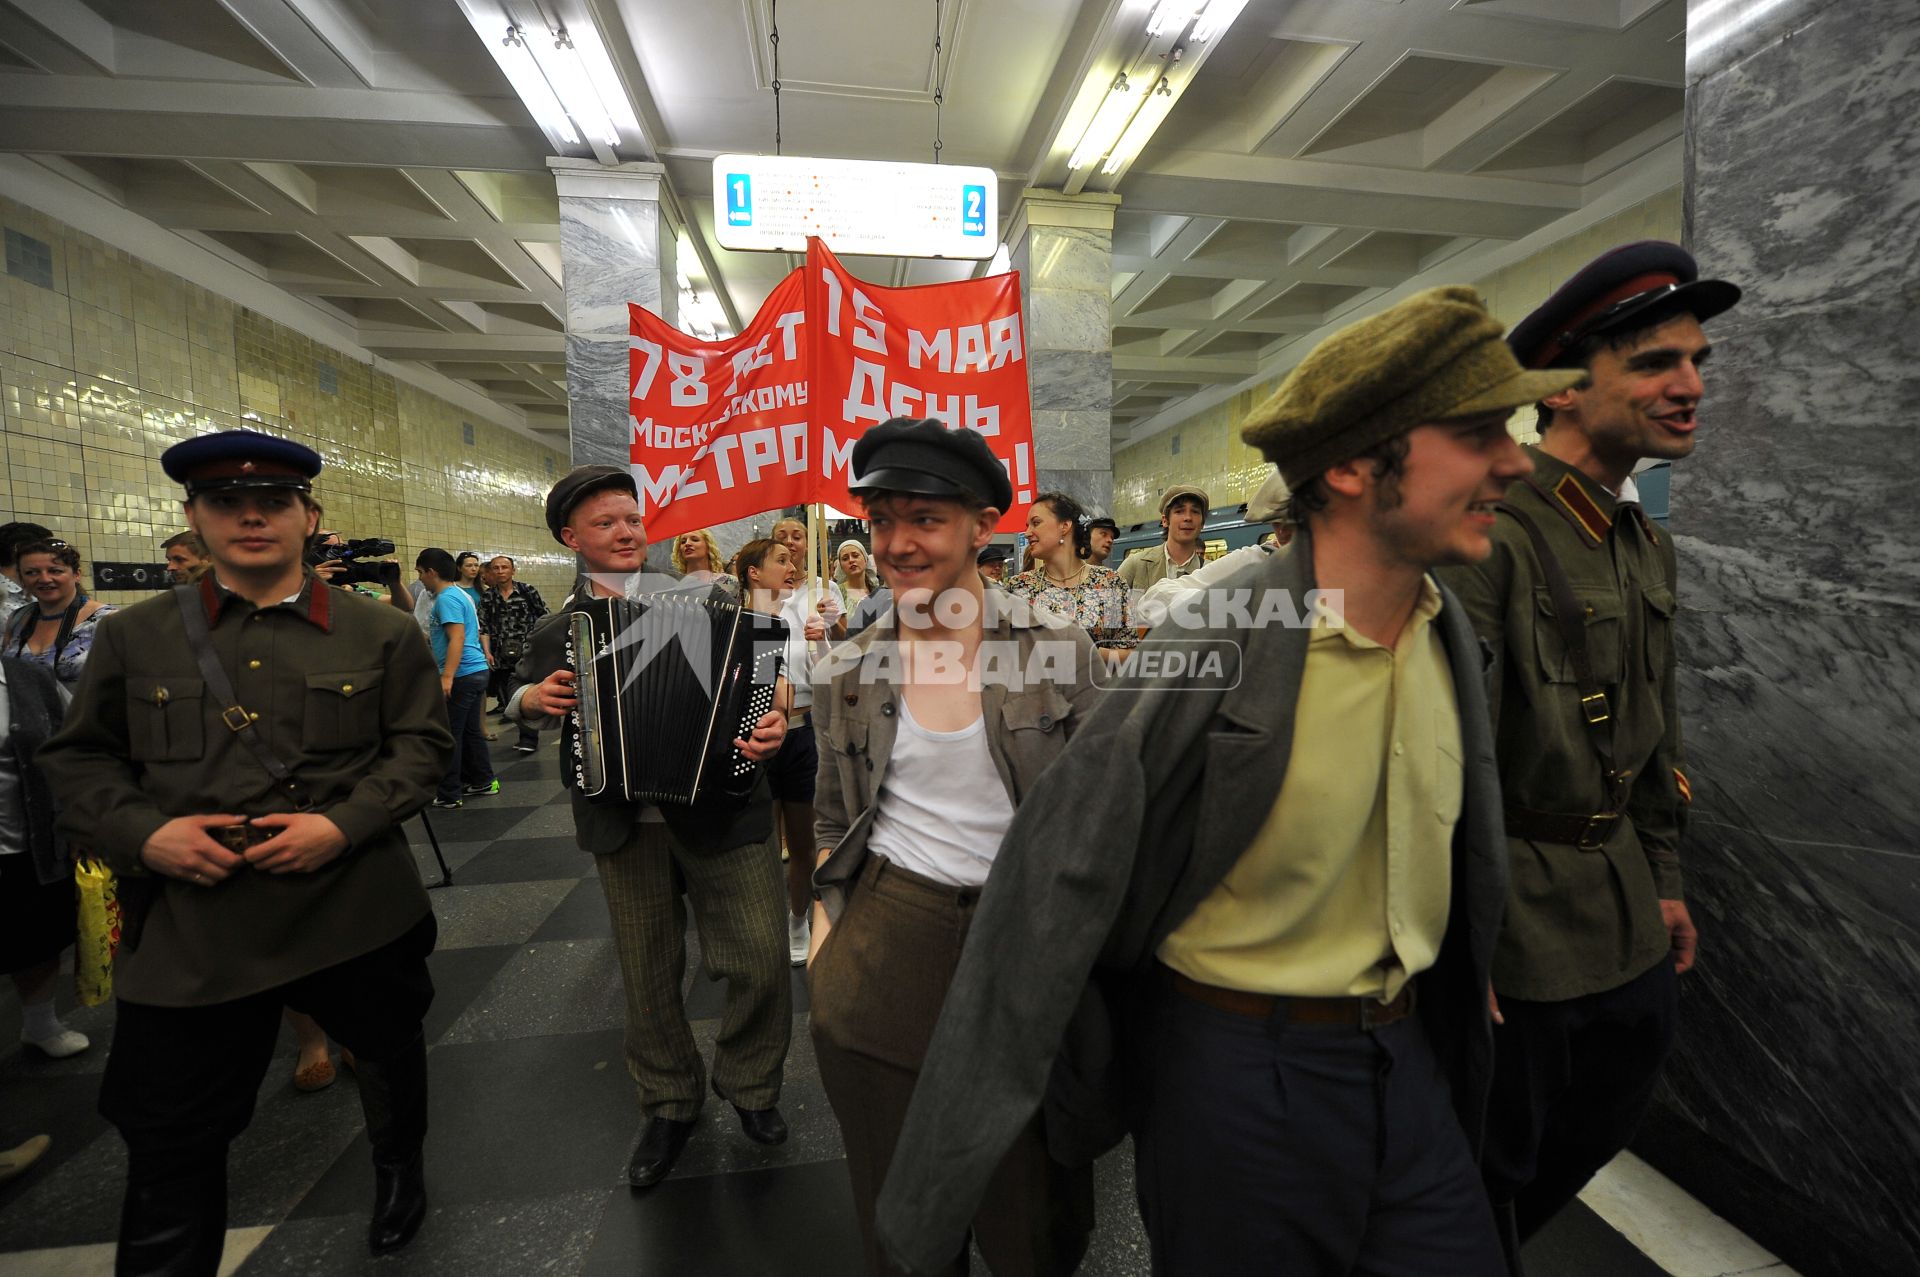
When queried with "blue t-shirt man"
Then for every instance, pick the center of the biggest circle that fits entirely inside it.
(451, 606)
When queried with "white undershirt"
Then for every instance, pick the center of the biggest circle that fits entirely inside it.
(943, 808)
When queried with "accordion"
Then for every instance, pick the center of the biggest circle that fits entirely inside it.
(666, 682)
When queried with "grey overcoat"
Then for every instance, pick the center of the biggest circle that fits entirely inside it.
(1159, 793)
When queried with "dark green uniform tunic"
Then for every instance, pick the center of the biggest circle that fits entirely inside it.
(344, 691)
(1581, 922)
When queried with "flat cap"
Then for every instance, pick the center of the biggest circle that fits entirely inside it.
(1102, 521)
(924, 457)
(240, 459)
(1178, 490)
(1437, 356)
(992, 554)
(579, 483)
(1609, 291)
(1269, 500)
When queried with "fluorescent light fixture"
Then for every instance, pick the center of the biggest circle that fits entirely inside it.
(1144, 122)
(1108, 123)
(581, 74)
(530, 82)
(1216, 18)
(1172, 15)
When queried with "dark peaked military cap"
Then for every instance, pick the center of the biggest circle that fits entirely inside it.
(926, 458)
(240, 459)
(1608, 292)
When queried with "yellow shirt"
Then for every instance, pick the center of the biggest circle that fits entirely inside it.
(1343, 892)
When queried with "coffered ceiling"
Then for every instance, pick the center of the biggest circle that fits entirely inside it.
(371, 160)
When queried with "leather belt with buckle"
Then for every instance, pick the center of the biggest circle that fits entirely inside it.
(1585, 833)
(237, 838)
(1351, 1013)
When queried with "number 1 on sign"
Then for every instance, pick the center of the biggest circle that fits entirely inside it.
(739, 200)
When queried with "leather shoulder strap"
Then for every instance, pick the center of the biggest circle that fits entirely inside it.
(1570, 620)
(200, 639)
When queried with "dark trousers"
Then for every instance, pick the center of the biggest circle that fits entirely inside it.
(876, 989)
(1570, 1083)
(1262, 1147)
(181, 1081)
(469, 763)
(501, 685)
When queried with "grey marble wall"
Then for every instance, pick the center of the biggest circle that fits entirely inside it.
(1792, 1105)
(1066, 285)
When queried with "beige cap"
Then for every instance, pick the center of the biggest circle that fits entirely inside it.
(1269, 500)
(1179, 490)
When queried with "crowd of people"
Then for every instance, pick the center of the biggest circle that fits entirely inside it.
(1368, 939)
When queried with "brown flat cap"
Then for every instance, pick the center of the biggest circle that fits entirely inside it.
(1437, 356)
(1178, 490)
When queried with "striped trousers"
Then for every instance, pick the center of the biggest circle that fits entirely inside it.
(738, 898)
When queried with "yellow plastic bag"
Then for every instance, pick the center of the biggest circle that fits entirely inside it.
(99, 938)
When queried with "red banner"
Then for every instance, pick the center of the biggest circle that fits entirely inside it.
(725, 430)
(720, 429)
(955, 352)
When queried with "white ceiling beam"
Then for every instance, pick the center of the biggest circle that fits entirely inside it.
(433, 347)
(280, 26)
(284, 103)
(145, 135)
(64, 37)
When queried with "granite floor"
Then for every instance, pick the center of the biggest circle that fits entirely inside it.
(532, 1115)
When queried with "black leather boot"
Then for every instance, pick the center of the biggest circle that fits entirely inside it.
(393, 1094)
(174, 1226)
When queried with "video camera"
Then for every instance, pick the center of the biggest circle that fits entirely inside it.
(360, 559)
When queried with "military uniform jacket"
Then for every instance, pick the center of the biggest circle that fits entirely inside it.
(343, 690)
(1579, 921)
(1164, 788)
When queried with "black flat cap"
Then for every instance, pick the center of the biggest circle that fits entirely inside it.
(926, 458)
(1609, 291)
(579, 483)
(991, 554)
(240, 459)
(1104, 522)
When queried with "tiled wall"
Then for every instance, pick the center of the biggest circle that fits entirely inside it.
(106, 361)
(1206, 448)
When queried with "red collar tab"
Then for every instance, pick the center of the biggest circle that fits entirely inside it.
(1570, 332)
(1572, 500)
(317, 611)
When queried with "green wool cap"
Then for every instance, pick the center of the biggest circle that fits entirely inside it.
(1437, 356)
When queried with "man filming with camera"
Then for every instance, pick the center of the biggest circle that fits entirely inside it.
(241, 751)
(350, 564)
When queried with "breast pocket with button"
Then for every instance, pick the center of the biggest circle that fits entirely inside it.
(1604, 616)
(342, 710)
(164, 719)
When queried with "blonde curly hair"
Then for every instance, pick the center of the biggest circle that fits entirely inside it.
(714, 562)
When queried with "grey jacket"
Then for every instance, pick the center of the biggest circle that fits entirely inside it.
(855, 714)
(1168, 787)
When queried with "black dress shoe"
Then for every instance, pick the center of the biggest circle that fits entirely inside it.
(660, 1143)
(763, 1126)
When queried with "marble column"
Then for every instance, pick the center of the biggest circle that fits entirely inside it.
(616, 246)
(1062, 245)
(1792, 1104)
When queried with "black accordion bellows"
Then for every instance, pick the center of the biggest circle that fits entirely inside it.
(666, 682)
